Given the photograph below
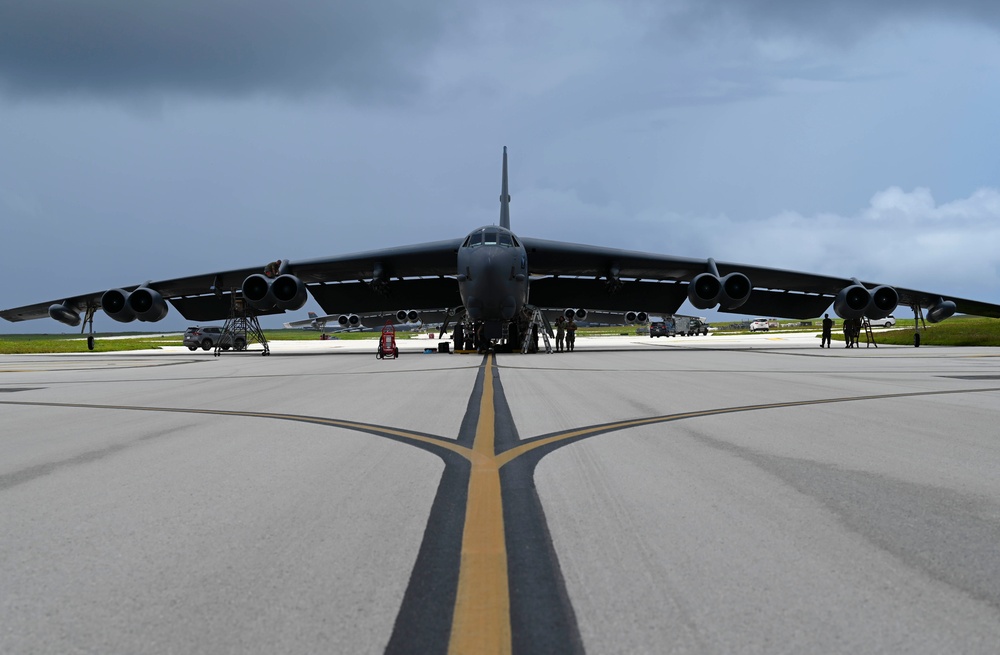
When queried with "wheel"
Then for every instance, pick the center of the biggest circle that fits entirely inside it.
(192, 348)
(90, 342)
(887, 324)
(916, 339)
(395, 353)
(206, 344)
(240, 344)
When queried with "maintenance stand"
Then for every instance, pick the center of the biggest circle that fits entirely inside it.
(242, 327)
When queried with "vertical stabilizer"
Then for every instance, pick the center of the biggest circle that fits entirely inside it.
(504, 196)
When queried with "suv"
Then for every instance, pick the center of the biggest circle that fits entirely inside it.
(658, 329)
(760, 325)
(887, 322)
(207, 337)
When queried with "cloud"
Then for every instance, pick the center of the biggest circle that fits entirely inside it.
(902, 238)
(364, 50)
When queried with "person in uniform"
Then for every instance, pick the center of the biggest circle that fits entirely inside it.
(827, 331)
(570, 335)
(560, 333)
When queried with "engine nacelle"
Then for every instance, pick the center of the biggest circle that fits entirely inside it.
(289, 292)
(147, 304)
(64, 314)
(630, 317)
(641, 317)
(257, 292)
(707, 290)
(407, 316)
(349, 321)
(853, 302)
(115, 304)
(935, 314)
(575, 314)
(884, 301)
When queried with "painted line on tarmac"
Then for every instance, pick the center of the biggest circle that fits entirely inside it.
(487, 577)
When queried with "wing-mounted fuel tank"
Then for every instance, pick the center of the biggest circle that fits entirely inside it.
(144, 304)
(856, 301)
(709, 289)
(940, 311)
(64, 314)
(285, 292)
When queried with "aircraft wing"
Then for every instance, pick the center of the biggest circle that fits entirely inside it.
(409, 277)
(593, 277)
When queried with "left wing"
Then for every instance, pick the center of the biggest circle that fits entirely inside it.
(574, 275)
(411, 277)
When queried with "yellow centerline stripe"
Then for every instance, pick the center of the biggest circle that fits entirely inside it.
(481, 622)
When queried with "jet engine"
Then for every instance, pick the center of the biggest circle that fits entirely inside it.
(115, 304)
(286, 292)
(407, 316)
(349, 320)
(635, 317)
(942, 310)
(289, 292)
(884, 301)
(707, 290)
(147, 304)
(576, 314)
(856, 301)
(64, 314)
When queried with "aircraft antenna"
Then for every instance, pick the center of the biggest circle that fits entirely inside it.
(504, 196)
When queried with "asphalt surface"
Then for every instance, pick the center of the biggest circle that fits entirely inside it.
(701, 495)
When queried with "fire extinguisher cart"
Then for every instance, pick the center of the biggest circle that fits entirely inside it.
(387, 342)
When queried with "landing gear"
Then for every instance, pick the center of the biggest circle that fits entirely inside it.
(88, 321)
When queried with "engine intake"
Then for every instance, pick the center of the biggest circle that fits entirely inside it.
(407, 316)
(707, 290)
(289, 292)
(115, 304)
(576, 314)
(852, 302)
(884, 301)
(257, 292)
(348, 320)
(147, 304)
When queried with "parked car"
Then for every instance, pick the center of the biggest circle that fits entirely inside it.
(208, 336)
(887, 322)
(760, 325)
(658, 329)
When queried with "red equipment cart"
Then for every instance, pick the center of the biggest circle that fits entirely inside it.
(387, 342)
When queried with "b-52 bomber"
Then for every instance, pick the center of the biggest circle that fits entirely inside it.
(492, 277)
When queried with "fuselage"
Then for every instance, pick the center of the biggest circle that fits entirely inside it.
(492, 274)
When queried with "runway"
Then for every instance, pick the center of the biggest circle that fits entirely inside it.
(701, 495)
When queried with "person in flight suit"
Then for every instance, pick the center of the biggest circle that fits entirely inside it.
(827, 331)
(570, 335)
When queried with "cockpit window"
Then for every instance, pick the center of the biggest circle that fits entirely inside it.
(490, 237)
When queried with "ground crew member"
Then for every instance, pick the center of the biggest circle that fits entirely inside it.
(560, 333)
(827, 331)
(570, 335)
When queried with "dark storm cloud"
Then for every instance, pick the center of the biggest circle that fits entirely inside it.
(369, 50)
(832, 21)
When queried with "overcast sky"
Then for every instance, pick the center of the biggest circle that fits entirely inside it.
(149, 140)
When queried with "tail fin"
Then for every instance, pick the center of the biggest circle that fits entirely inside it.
(504, 196)
(313, 315)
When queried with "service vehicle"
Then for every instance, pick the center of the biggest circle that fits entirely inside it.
(206, 338)
(760, 325)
